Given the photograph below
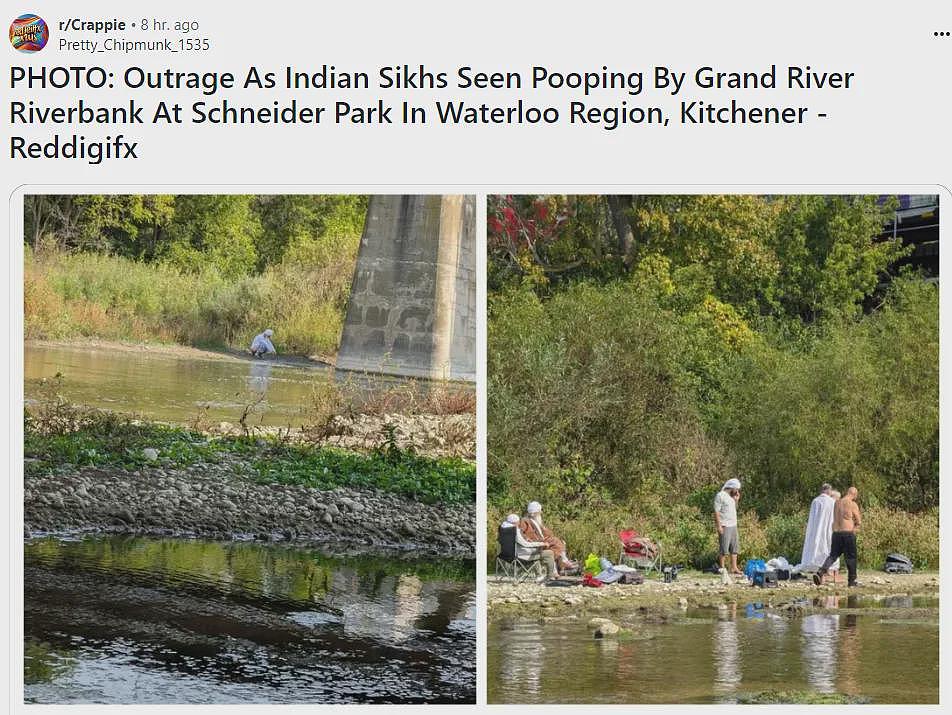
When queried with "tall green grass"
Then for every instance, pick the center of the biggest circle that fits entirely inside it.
(686, 532)
(73, 295)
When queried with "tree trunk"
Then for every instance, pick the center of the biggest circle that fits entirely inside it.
(620, 209)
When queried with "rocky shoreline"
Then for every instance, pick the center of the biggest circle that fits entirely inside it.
(433, 436)
(218, 501)
(691, 590)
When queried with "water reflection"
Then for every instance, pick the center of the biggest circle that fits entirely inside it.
(726, 642)
(42, 663)
(259, 374)
(819, 636)
(522, 662)
(724, 655)
(199, 621)
(173, 388)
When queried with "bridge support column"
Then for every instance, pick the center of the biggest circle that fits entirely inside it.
(412, 308)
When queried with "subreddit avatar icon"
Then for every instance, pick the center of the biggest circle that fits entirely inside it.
(29, 33)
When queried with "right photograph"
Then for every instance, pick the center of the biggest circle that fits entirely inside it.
(713, 448)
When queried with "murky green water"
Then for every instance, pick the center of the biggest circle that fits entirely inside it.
(177, 389)
(136, 620)
(704, 657)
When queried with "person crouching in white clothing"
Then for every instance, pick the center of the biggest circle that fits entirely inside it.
(262, 344)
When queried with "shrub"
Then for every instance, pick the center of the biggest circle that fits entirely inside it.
(785, 533)
(113, 298)
(886, 531)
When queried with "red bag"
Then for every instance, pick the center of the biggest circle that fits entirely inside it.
(589, 580)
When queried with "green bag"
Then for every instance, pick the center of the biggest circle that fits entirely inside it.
(593, 564)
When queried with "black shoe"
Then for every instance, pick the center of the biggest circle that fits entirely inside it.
(817, 578)
(855, 584)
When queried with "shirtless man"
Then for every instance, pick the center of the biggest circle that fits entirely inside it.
(846, 521)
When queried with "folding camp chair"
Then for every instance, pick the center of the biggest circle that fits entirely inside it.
(508, 565)
(639, 551)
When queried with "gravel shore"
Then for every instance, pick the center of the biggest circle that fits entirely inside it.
(433, 436)
(691, 590)
(222, 501)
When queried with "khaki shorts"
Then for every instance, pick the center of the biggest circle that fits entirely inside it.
(729, 541)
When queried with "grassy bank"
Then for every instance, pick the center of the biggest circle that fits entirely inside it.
(90, 295)
(69, 437)
(686, 531)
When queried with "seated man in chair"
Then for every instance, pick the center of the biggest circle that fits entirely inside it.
(533, 530)
(530, 550)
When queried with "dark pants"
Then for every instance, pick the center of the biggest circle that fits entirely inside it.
(843, 544)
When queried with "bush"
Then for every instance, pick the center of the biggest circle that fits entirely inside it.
(113, 298)
(785, 534)
(885, 531)
(687, 535)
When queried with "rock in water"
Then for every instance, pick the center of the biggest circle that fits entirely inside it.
(607, 629)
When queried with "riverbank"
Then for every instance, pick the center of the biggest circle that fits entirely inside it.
(691, 590)
(219, 394)
(80, 295)
(215, 501)
(87, 470)
(433, 436)
(184, 352)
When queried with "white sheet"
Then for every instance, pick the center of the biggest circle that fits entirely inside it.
(819, 536)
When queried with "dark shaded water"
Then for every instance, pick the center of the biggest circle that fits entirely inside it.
(174, 388)
(704, 656)
(136, 620)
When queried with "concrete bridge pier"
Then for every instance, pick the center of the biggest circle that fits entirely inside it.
(412, 307)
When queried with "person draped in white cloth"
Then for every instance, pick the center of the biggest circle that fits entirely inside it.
(818, 539)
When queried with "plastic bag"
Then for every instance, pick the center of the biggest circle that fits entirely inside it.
(753, 566)
(589, 580)
(593, 564)
(609, 576)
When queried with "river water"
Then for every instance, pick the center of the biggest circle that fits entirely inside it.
(137, 620)
(854, 647)
(178, 388)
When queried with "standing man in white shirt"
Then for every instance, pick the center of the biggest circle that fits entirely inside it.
(725, 519)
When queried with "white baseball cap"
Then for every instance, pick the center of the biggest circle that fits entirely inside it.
(732, 484)
(513, 518)
(534, 508)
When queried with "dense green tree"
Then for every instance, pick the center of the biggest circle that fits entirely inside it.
(318, 228)
(789, 257)
(199, 269)
(655, 345)
(233, 235)
(216, 230)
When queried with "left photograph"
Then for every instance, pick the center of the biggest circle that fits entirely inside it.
(249, 448)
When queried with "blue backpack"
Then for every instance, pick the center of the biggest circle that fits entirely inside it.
(754, 566)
